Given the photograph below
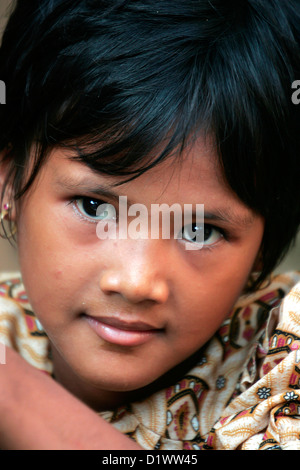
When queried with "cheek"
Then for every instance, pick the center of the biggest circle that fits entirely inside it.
(207, 301)
(42, 262)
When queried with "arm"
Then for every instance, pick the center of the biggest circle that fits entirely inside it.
(36, 413)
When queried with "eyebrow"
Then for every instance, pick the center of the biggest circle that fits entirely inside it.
(222, 215)
(225, 216)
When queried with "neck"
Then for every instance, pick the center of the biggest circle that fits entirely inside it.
(104, 400)
(90, 394)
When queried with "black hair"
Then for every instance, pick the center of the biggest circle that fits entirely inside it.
(116, 79)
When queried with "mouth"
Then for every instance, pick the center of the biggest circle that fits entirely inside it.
(123, 333)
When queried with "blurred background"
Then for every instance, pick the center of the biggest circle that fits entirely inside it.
(8, 255)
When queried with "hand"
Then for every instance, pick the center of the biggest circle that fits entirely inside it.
(39, 414)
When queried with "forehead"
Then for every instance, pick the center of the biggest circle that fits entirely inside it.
(197, 164)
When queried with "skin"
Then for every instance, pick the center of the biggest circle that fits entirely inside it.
(53, 419)
(70, 275)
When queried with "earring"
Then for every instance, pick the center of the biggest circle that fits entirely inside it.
(3, 215)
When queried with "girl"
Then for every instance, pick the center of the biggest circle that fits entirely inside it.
(170, 103)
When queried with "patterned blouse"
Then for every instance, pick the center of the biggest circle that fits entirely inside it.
(243, 392)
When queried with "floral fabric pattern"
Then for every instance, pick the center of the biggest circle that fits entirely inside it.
(243, 391)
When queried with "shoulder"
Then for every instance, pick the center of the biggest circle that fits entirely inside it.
(19, 328)
(13, 298)
(277, 287)
(255, 314)
(268, 407)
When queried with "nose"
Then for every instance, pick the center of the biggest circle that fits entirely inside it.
(137, 272)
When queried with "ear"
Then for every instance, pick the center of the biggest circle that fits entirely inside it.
(6, 192)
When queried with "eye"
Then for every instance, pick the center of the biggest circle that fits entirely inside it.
(210, 234)
(95, 208)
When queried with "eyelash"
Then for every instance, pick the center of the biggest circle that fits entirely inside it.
(74, 202)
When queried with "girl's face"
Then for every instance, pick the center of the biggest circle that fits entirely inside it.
(120, 313)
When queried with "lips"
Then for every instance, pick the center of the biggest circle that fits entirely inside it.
(124, 333)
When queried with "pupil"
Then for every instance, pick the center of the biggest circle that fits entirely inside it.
(90, 207)
(207, 231)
